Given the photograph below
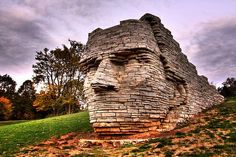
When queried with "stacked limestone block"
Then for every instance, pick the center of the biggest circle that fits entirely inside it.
(138, 80)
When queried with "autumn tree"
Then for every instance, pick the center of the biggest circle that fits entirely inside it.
(45, 101)
(59, 71)
(7, 90)
(5, 108)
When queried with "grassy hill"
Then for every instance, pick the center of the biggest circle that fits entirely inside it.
(2, 123)
(211, 133)
(15, 136)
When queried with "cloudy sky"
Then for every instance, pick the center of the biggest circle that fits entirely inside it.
(205, 29)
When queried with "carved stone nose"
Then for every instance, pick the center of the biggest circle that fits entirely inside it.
(105, 77)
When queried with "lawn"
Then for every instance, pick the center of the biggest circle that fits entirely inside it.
(2, 123)
(212, 133)
(15, 136)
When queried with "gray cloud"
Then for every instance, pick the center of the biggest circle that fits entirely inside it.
(214, 50)
(27, 26)
(19, 39)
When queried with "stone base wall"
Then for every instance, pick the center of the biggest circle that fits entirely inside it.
(138, 80)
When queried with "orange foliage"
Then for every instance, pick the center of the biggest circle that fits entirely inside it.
(6, 108)
(44, 101)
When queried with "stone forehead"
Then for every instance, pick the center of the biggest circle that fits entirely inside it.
(127, 36)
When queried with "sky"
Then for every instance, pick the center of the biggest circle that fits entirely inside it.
(205, 29)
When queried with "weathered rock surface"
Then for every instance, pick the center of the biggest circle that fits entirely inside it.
(138, 80)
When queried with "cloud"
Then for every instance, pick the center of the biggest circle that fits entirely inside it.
(27, 26)
(213, 49)
(19, 39)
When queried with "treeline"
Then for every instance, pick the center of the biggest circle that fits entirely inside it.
(57, 72)
(229, 87)
(16, 104)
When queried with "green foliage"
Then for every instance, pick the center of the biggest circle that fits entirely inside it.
(169, 153)
(229, 87)
(84, 155)
(209, 133)
(229, 106)
(231, 137)
(21, 100)
(23, 108)
(127, 145)
(180, 134)
(206, 154)
(59, 71)
(164, 142)
(218, 123)
(7, 86)
(196, 131)
(134, 154)
(126, 153)
(68, 147)
(142, 148)
(15, 136)
(229, 148)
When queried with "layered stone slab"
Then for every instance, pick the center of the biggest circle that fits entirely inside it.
(138, 79)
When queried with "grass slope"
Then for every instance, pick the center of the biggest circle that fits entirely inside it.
(15, 136)
(2, 123)
(210, 134)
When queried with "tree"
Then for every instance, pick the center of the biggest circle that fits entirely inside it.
(24, 101)
(46, 102)
(229, 87)
(7, 89)
(27, 90)
(59, 70)
(7, 86)
(5, 108)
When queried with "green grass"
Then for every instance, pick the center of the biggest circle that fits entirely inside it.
(2, 123)
(180, 134)
(169, 153)
(15, 136)
(142, 148)
(229, 107)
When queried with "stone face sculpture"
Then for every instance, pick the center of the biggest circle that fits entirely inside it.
(138, 80)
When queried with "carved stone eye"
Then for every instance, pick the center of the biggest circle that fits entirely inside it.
(93, 64)
(118, 60)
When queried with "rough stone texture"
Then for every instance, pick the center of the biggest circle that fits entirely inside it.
(138, 80)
